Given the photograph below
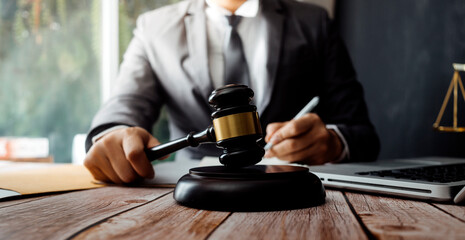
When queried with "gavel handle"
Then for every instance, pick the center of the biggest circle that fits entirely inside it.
(192, 139)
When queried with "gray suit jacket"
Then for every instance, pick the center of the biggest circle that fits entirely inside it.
(166, 63)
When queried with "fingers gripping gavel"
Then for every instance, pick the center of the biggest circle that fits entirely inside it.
(236, 129)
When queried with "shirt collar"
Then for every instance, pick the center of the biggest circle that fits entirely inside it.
(248, 9)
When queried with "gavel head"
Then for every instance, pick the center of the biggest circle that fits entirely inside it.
(236, 126)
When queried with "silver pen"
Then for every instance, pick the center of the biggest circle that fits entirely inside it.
(308, 108)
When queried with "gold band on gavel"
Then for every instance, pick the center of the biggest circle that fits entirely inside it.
(236, 125)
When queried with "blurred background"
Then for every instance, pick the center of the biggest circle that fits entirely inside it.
(403, 52)
(58, 59)
(50, 66)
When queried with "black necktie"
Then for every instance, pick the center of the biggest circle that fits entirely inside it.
(235, 65)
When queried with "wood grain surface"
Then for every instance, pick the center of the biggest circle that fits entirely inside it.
(454, 210)
(391, 218)
(151, 213)
(20, 199)
(61, 216)
(161, 219)
(333, 220)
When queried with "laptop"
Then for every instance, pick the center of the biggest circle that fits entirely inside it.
(432, 178)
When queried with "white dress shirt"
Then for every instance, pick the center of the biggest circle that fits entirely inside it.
(252, 30)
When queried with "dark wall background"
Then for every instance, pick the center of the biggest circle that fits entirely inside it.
(403, 52)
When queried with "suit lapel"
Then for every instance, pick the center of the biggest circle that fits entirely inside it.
(272, 12)
(196, 31)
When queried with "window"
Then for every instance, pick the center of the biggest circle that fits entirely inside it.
(50, 66)
(49, 70)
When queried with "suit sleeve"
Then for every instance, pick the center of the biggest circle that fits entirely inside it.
(342, 98)
(136, 97)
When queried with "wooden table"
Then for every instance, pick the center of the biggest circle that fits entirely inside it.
(151, 213)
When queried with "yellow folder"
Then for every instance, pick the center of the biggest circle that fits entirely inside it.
(42, 178)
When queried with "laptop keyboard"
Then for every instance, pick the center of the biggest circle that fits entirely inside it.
(438, 174)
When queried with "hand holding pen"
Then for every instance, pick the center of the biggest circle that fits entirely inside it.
(307, 109)
(304, 139)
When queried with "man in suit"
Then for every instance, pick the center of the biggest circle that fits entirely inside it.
(176, 58)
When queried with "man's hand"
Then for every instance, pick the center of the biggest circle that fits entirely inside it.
(304, 140)
(119, 156)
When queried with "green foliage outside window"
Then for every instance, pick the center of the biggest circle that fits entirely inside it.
(49, 67)
(49, 74)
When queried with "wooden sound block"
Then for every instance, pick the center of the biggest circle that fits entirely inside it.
(254, 188)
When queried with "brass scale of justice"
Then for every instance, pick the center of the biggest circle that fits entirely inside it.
(454, 85)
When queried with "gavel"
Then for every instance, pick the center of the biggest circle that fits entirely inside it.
(236, 129)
